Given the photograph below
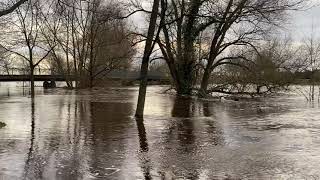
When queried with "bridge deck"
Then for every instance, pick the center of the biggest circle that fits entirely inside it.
(5, 78)
(36, 78)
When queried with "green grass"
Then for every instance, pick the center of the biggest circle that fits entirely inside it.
(2, 124)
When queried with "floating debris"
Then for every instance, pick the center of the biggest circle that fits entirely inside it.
(2, 124)
(111, 171)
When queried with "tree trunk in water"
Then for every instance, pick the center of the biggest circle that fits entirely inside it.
(91, 80)
(204, 83)
(186, 81)
(145, 59)
(186, 69)
(32, 81)
(186, 64)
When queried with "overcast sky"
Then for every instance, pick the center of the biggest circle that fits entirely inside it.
(298, 27)
(301, 23)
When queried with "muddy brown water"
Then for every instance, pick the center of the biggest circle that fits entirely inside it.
(92, 134)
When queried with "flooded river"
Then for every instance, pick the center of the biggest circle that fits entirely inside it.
(92, 134)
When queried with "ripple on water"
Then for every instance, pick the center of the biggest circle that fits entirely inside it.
(92, 134)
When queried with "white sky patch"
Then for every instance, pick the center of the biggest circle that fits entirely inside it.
(303, 23)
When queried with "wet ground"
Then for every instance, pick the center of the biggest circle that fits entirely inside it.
(92, 134)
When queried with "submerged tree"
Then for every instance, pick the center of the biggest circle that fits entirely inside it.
(109, 45)
(92, 40)
(269, 69)
(310, 55)
(225, 24)
(28, 42)
(5, 63)
(145, 60)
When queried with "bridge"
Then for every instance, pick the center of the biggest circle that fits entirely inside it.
(117, 75)
(8, 78)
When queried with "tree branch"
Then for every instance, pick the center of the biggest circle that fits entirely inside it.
(12, 8)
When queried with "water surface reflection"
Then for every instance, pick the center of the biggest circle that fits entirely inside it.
(91, 134)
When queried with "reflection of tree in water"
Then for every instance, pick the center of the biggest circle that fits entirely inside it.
(207, 110)
(188, 136)
(110, 123)
(183, 109)
(145, 162)
(180, 141)
(85, 139)
(94, 138)
(214, 132)
(142, 136)
(57, 154)
(74, 165)
(32, 166)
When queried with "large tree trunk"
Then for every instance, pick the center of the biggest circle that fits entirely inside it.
(204, 83)
(186, 64)
(145, 59)
(32, 81)
(185, 68)
(186, 80)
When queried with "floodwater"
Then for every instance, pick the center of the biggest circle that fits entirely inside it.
(92, 134)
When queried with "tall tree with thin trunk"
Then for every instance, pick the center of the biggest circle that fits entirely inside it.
(145, 60)
(28, 42)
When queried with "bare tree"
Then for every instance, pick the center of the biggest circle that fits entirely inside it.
(310, 53)
(109, 45)
(11, 8)
(29, 37)
(7, 62)
(92, 40)
(226, 23)
(145, 60)
(268, 70)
